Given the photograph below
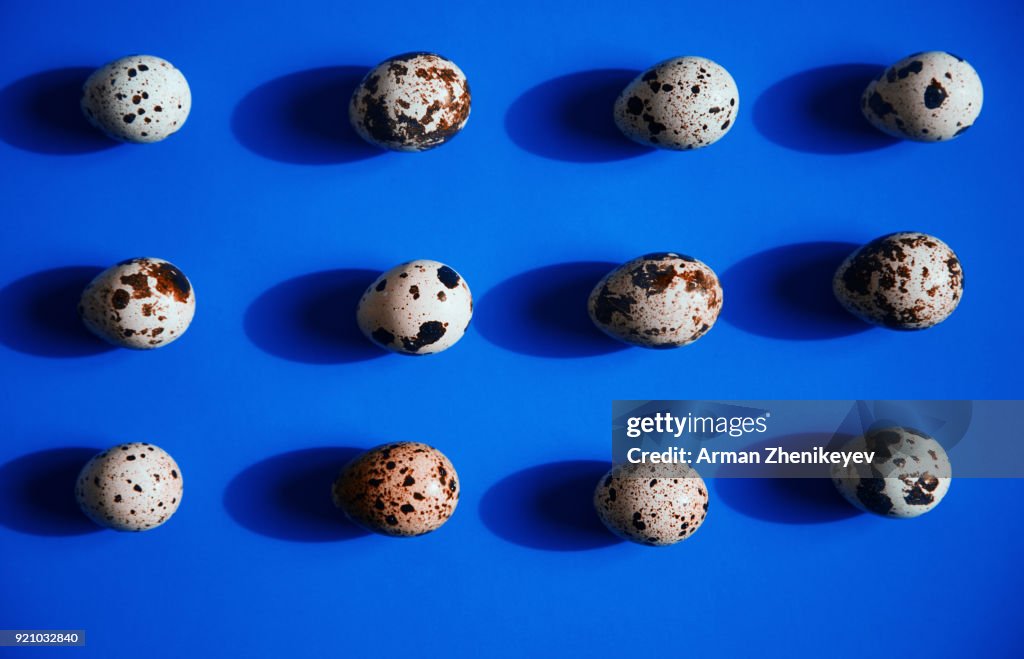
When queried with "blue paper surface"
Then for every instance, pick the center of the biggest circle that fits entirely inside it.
(280, 217)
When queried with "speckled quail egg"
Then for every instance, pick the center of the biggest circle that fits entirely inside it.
(909, 475)
(927, 97)
(130, 487)
(400, 489)
(652, 504)
(140, 303)
(663, 300)
(416, 308)
(137, 99)
(682, 103)
(411, 102)
(905, 280)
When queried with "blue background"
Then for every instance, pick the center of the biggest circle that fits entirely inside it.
(280, 218)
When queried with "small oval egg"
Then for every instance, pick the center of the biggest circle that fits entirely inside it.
(140, 303)
(662, 300)
(416, 308)
(909, 475)
(399, 489)
(130, 487)
(680, 104)
(927, 97)
(138, 99)
(411, 102)
(906, 280)
(652, 504)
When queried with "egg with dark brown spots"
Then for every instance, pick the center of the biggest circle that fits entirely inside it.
(130, 487)
(652, 504)
(400, 489)
(663, 300)
(682, 103)
(927, 97)
(411, 102)
(906, 281)
(141, 303)
(908, 475)
(139, 99)
(417, 308)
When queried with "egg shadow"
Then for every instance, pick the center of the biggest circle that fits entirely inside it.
(312, 318)
(785, 498)
(549, 507)
(41, 314)
(569, 118)
(41, 113)
(37, 493)
(302, 118)
(786, 293)
(288, 496)
(543, 312)
(818, 111)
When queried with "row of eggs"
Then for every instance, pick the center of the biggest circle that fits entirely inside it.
(418, 101)
(904, 280)
(410, 488)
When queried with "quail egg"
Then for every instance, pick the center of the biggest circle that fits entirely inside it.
(411, 102)
(137, 99)
(140, 303)
(130, 487)
(662, 300)
(652, 504)
(416, 308)
(909, 475)
(682, 103)
(400, 489)
(927, 97)
(906, 280)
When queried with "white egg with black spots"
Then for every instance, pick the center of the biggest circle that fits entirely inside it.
(680, 104)
(652, 504)
(140, 303)
(137, 99)
(908, 476)
(412, 102)
(663, 300)
(130, 487)
(927, 97)
(417, 308)
(906, 281)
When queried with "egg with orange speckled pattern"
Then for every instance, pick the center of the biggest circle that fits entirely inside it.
(399, 489)
(130, 487)
(662, 300)
(140, 303)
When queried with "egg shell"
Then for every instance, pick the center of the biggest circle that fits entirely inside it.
(140, 303)
(416, 308)
(907, 280)
(927, 97)
(130, 487)
(399, 489)
(411, 102)
(662, 300)
(652, 504)
(680, 104)
(909, 476)
(138, 99)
